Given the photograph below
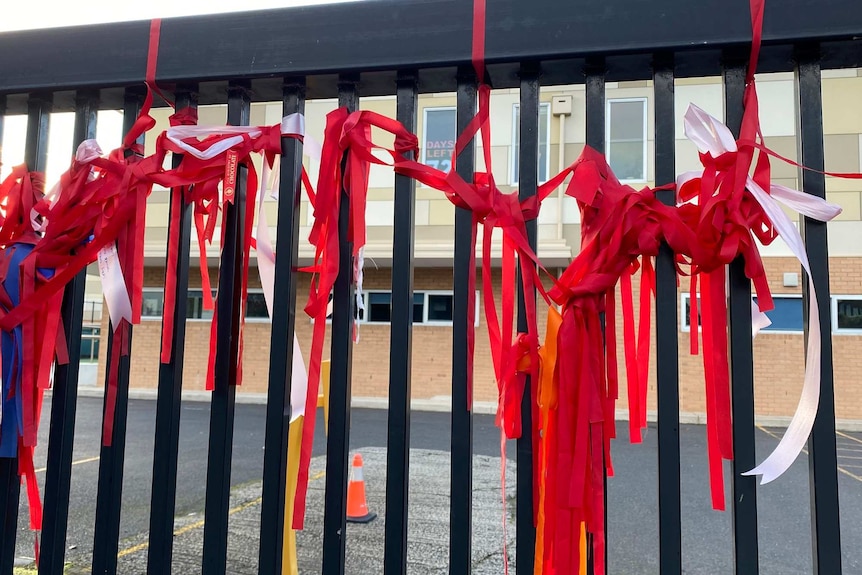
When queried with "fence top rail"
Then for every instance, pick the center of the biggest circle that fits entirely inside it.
(381, 36)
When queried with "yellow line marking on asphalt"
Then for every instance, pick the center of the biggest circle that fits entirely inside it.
(199, 524)
(79, 462)
(805, 451)
(850, 437)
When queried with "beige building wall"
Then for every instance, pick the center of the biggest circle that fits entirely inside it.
(779, 357)
(777, 382)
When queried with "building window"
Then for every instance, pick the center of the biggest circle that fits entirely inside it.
(440, 307)
(358, 314)
(90, 339)
(429, 307)
(787, 316)
(544, 142)
(379, 307)
(418, 307)
(195, 306)
(154, 304)
(847, 314)
(685, 312)
(92, 311)
(439, 134)
(625, 134)
(255, 306)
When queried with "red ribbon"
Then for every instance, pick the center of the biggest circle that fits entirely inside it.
(197, 181)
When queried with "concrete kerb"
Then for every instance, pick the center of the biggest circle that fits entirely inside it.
(444, 404)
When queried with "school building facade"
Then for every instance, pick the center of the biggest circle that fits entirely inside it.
(779, 356)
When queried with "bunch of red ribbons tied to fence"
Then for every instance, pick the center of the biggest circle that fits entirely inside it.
(207, 179)
(721, 214)
(718, 218)
(96, 213)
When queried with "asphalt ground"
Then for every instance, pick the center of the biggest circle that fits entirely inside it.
(784, 507)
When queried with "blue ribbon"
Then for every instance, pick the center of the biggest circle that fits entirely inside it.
(12, 350)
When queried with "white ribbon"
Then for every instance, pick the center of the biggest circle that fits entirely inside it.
(713, 137)
(292, 125)
(177, 134)
(110, 271)
(114, 285)
(358, 277)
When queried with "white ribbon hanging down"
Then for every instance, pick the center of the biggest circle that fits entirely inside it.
(266, 270)
(110, 271)
(114, 285)
(713, 137)
(358, 278)
(292, 125)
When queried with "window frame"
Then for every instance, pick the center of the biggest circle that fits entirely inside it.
(686, 328)
(425, 131)
(833, 312)
(608, 106)
(516, 115)
(153, 290)
(198, 319)
(425, 322)
(266, 319)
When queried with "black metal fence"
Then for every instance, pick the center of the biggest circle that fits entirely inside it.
(405, 47)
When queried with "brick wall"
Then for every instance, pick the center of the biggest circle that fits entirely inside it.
(779, 358)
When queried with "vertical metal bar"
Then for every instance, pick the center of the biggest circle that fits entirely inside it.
(667, 336)
(111, 459)
(338, 441)
(528, 183)
(595, 136)
(5, 467)
(4, 463)
(35, 156)
(58, 475)
(595, 104)
(822, 458)
(278, 413)
(744, 488)
(169, 399)
(400, 346)
(228, 310)
(461, 489)
(8, 471)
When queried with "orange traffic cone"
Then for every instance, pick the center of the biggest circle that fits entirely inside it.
(357, 508)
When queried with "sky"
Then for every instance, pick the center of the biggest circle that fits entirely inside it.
(29, 15)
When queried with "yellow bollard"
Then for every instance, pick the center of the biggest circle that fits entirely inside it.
(289, 561)
(289, 564)
(323, 396)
